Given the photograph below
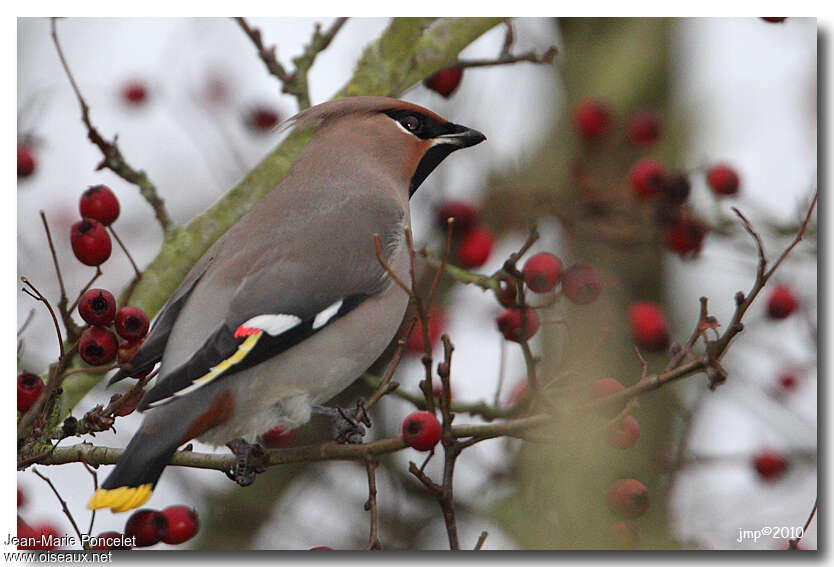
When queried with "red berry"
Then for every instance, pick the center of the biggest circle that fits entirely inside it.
(592, 119)
(685, 237)
(624, 433)
(45, 536)
(648, 326)
(24, 531)
(723, 180)
(29, 388)
(129, 405)
(644, 128)
(147, 526)
(625, 534)
(97, 306)
(542, 271)
(781, 302)
(475, 247)
(465, 215)
(437, 322)
(321, 548)
(774, 20)
(627, 498)
(134, 92)
(421, 430)
(131, 323)
(445, 81)
(646, 178)
(788, 381)
(90, 242)
(263, 119)
(99, 203)
(769, 464)
(25, 161)
(125, 353)
(581, 284)
(278, 437)
(183, 523)
(510, 324)
(97, 346)
(110, 540)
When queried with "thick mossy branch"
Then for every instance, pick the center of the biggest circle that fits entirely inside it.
(408, 50)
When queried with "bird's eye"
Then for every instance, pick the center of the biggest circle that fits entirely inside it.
(411, 123)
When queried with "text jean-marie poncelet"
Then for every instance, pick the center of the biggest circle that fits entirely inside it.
(52, 541)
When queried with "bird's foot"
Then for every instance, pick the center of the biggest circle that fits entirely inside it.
(250, 459)
(346, 429)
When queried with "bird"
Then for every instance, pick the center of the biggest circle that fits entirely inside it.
(292, 303)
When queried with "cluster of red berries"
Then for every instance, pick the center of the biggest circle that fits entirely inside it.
(98, 345)
(444, 82)
(593, 121)
(173, 525)
(472, 242)
(90, 242)
(25, 161)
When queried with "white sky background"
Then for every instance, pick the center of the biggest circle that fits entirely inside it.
(751, 85)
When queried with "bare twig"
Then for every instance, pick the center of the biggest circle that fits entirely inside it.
(794, 543)
(373, 539)
(481, 540)
(63, 502)
(39, 297)
(94, 474)
(505, 57)
(69, 324)
(124, 249)
(84, 289)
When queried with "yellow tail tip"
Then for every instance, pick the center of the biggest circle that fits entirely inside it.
(120, 499)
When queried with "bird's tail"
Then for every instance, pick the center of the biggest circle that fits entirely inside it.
(132, 481)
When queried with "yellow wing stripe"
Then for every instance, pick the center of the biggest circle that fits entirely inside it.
(239, 355)
(120, 499)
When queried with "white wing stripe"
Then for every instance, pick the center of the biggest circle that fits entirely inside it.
(326, 315)
(273, 324)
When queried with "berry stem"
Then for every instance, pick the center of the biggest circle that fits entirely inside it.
(124, 249)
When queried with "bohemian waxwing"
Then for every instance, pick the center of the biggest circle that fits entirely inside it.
(291, 304)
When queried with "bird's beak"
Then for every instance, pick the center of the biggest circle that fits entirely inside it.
(461, 136)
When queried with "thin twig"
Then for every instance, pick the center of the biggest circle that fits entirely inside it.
(794, 543)
(69, 324)
(124, 249)
(481, 540)
(94, 474)
(63, 502)
(39, 297)
(84, 289)
(373, 539)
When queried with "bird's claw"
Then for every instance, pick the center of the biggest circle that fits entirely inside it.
(250, 459)
(346, 429)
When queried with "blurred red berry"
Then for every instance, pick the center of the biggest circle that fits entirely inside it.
(517, 324)
(278, 437)
(592, 119)
(603, 388)
(147, 526)
(437, 322)
(723, 180)
(625, 534)
(90, 242)
(648, 326)
(321, 548)
(183, 524)
(627, 498)
(134, 92)
(445, 81)
(131, 323)
(110, 540)
(45, 536)
(773, 20)
(465, 215)
(581, 284)
(97, 346)
(788, 381)
(624, 433)
(437, 392)
(421, 430)
(99, 203)
(262, 119)
(541, 272)
(25, 161)
(647, 178)
(644, 128)
(685, 237)
(29, 388)
(97, 306)
(676, 188)
(769, 464)
(475, 247)
(781, 302)
(216, 90)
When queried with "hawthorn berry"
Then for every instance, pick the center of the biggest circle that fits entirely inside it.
(131, 323)
(685, 237)
(517, 325)
(277, 437)
(647, 178)
(445, 82)
(475, 247)
(723, 180)
(183, 524)
(147, 526)
(541, 272)
(90, 242)
(592, 119)
(25, 161)
(644, 128)
(627, 498)
(45, 536)
(465, 215)
(29, 388)
(437, 322)
(99, 203)
(421, 430)
(648, 326)
(581, 284)
(624, 433)
(773, 20)
(134, 92)
(769, 464)
(262, 119)
(97, 346)
(788, 381)
(625, 534)
(781, 302)
(110, 540)
(97, 306)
